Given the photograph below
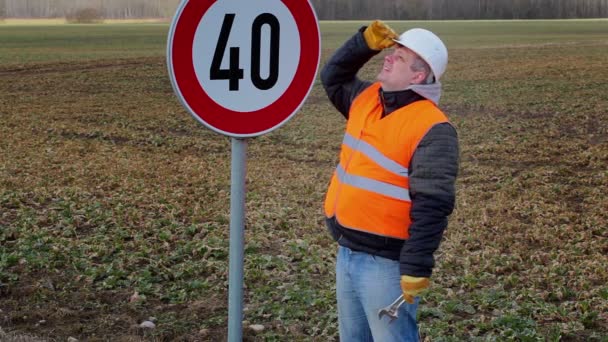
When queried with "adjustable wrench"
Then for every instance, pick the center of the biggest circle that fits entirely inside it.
(392, 310)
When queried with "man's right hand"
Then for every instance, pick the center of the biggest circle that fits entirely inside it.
(379, 36)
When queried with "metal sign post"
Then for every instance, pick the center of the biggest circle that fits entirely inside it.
(242, 68)
(237, 237)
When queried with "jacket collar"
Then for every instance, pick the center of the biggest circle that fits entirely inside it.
(393, 100)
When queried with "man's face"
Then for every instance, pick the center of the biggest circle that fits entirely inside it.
(396, 73)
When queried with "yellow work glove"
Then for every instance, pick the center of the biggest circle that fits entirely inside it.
(412, 286)
(379, 36)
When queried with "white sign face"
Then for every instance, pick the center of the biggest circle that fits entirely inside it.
(246, 53)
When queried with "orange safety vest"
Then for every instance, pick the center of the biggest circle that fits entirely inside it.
(369, 191)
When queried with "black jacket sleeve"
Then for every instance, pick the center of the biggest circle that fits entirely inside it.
(339, 75)
(433, 172)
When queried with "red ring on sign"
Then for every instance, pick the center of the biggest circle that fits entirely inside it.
(224, 119)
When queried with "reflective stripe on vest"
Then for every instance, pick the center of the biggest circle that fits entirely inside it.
(389, 190)
(372, 153)
(372, 185)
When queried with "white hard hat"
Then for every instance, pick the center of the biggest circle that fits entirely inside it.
(428, 46)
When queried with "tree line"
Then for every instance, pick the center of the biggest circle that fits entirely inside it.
(331, 9)
(109, 9)
(459, 9)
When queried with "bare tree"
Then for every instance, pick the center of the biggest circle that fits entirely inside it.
(2, 9)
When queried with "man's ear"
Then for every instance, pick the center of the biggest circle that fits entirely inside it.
(419, 78)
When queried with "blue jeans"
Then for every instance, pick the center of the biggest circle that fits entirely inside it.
(365, 284)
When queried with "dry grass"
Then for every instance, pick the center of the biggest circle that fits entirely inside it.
(108, 187)
(62, 21)
(32, 22)
(12, 337)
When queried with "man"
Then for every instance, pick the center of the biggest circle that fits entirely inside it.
(393, 189)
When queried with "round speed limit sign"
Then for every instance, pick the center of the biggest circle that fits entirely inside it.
(243, 67)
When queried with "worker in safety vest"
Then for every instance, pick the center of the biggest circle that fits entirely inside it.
(391, 193)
